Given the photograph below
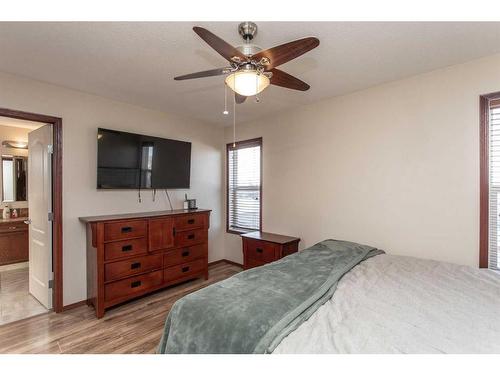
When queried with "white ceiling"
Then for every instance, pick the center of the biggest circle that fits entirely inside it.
(16, 123)
(136, 62)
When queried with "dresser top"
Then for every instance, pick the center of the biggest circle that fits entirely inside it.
(136, 215)
(270, 237)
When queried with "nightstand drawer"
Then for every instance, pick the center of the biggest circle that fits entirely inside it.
(261, 251)
(252, 263)
(260, 248)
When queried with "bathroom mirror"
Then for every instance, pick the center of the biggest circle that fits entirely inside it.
(14, 178)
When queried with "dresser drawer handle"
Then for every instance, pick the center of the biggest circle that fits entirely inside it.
(259, 250)
(127, 248)
(185, 269)
(191, 221)
(135, 284)
(135, 265)
(185, 253)
(12, 228)
(191, 237)
(126, 229)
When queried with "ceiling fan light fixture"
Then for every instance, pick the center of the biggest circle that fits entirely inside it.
(15, 144)
(247, 82)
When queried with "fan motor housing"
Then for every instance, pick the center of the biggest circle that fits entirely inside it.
(247, 30)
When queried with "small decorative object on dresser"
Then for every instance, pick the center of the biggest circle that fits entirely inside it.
(6, 211)
(260, 248)
(133, 254)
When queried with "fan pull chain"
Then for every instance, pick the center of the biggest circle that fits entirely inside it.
(225, 112)
(257, 100)
(234, 120)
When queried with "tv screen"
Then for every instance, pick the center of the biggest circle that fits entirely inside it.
(133, 161)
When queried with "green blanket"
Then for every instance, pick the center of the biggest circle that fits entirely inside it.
(254, 310)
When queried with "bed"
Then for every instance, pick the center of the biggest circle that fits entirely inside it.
(341, 297)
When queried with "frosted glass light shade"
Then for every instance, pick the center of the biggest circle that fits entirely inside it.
(15, 144)
(247, 82)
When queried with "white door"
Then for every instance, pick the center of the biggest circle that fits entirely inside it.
(40, 205)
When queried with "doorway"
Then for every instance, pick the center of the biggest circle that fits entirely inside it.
(31, 239)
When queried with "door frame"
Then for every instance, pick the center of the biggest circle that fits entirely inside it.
(57, 225)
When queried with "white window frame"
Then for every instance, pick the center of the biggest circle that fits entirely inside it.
(240, 145)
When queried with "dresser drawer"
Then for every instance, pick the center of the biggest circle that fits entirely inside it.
(18, 226)
(183, 270)
(187, 222)
(261, 251)
(184, 254)
(124, 230)
(132, 285)
(121, 249)
(190, 237)
(129, 267)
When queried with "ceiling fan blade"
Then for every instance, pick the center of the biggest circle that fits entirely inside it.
(280, 78)
(206, 73)
(239, 98)
(225, 49)
(281, 54)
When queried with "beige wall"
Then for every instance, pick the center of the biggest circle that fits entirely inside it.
(395, 166)
(82, 114)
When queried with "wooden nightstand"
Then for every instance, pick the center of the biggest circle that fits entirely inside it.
(260, 248)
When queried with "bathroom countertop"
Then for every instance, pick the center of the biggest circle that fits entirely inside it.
(13, 219)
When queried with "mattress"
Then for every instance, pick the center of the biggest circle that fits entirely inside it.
(396, 304)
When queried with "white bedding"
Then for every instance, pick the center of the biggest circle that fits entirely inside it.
(395, 304)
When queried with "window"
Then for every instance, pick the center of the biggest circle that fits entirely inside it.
(490, 182)
(244, 186)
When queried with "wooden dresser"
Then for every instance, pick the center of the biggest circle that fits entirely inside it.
(14, 243)
(133, 254)
(260, 248)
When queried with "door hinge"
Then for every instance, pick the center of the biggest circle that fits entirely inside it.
(50, 216)
(50, 149)
(51, 284)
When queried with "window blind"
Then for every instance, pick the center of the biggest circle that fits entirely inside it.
(244, 186)
(494, 184)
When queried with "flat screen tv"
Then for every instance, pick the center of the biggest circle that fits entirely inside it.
(135, 161)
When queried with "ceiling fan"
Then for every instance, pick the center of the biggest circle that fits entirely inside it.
(252, 69)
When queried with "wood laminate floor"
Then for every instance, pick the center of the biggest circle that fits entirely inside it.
(134, 327)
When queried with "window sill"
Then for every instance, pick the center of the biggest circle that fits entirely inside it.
(240, 231)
